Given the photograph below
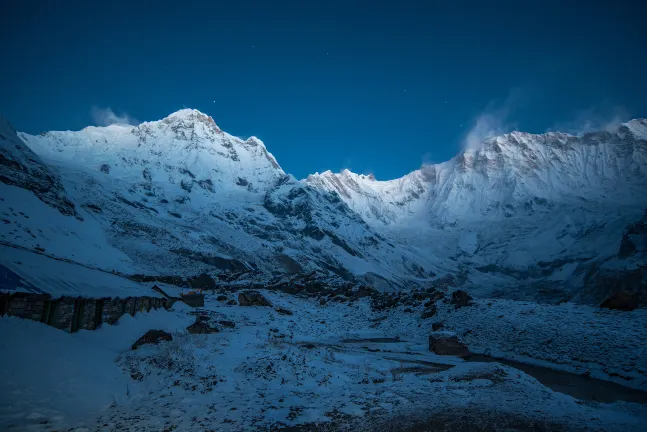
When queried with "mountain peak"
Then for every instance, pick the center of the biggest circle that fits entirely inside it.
(638, 127)
(185, 112)
(190, 115)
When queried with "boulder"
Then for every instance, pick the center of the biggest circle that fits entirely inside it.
(283, 311)
(623, 300)
(203, 281)
(229, 324)
(437, 326)
(429, 312)
(314, 287)
(291, 288)
(222, 297)
(364, 291)
(152, 337)
(447, 343)
(460, 298)
(232, 302)
(201, 327)
(252, 298)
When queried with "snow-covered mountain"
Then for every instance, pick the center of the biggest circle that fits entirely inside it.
(179, 197)
(509, 175)
(524, 216)
(529, 214)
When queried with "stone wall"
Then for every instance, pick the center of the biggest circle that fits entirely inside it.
(88, 316)
(144, 304)
(72, 314)
(27, 306)
(112, 310)
(4, 303)
(130, 307)
(62, 313)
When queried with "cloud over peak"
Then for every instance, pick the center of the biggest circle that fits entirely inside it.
(107, 117)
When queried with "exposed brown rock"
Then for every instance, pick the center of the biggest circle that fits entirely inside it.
(283, 311)
(460, 298)
(201, 327)
(447, 343)
(229, 324)
(252, 298)
(429, 312)
(623, 300)
(152, 337)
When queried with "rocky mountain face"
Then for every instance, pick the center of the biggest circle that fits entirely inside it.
(622, 279)
(20, 167)
(525, 216)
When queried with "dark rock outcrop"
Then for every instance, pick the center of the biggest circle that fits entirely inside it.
(201, 327)
(429, 312)
(152, 337)
(447, 343)
(460, 299)
(228, 324)
(203, 281)
(624, 301)
(621, 282)
(21, 167)
(283, 311)
(252, 298)
(634, 238)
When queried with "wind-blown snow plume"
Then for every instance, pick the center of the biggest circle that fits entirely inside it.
(486, 125)
(492, 121)
(594, 119)
(107, 117)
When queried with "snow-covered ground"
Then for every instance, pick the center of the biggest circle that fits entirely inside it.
(50, 377)
(322, 364)
(602, 343)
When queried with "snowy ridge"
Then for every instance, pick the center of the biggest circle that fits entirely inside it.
(525, 216)
(507, 173)
(186, 143)
(376, 201)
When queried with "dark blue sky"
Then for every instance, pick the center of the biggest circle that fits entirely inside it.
(372, 86)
